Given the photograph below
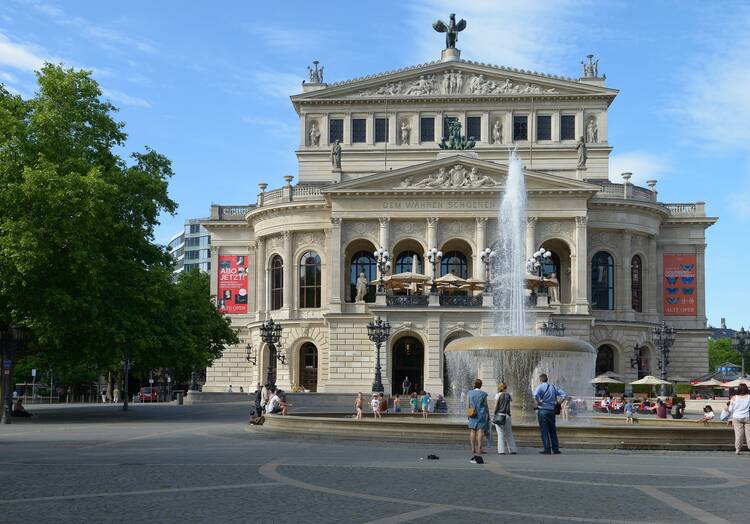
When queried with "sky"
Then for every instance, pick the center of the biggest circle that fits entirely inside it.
(208, 85)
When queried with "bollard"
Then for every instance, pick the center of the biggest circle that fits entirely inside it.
(179, 397)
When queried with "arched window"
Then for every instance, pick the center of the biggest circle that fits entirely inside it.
(602, 281)
(408, 261)
(363, 262)
(309, 280)
(605, 359)
(277, 282)
(454, 262)
(636, 284)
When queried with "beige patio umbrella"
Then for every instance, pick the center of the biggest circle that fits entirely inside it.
(604, 379)
(473, 284)
(404, 280)
(449, 281)
(612, 374)
(649, 380)
(736, 382)
(709, 383)
(532, 281)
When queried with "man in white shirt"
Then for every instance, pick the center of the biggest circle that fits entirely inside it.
(274, 405)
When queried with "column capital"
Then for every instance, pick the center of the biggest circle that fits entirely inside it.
(336, 221)
(384, 221)
(432, 221)
(581, 221)
(482, 221)
(531, 220)
(286, 234)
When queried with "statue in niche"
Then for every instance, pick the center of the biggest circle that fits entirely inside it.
(554, 291)
(497, 131)
(405, 131)
(582, 154)
(336, 155)
(592, 132)
(362, 287)
(314, 134)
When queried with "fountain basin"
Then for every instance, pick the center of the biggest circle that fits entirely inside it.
(538, 343)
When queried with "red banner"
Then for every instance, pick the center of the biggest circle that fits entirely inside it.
(232, 293)
(680, 286)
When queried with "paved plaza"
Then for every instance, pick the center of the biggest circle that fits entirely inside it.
(168, 463)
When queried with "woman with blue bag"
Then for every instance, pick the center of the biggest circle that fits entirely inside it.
(479, 417)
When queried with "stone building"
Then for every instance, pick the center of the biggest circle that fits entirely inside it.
(625, 261)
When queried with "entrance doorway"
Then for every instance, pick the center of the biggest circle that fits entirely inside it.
(408, 361)
(308, 366)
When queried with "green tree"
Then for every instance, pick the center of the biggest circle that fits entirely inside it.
(720, 351)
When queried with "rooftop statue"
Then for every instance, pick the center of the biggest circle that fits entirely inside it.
(451, 30)
(455, 140)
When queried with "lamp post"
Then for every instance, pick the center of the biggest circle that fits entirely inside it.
(378, 332)
(12, 338)
(636, 361)
(741, 344)
(553, 328)
(535, 264)
(486, 256)
(270, 333)
(382, 259)
(664, 336)
(433, 256)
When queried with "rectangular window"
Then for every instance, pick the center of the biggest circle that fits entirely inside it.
(192, 255)
(195, 228)
(543, 127)
(335, 130)
(427, 129)
(520, 127)
(381, 130)
(359, 130)
(567, 127)
(447, 123)
(474, 127)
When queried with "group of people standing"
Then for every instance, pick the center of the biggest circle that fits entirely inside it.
(423, 403)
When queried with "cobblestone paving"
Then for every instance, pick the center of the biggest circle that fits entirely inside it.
(165, 464)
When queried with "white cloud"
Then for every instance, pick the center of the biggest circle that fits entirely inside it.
(17, 55)
(126, 99)
(716, 100)
(517, 33)
(643, 165)
(277, 84)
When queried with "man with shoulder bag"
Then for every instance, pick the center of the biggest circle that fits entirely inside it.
(501, 419)
(548, 397)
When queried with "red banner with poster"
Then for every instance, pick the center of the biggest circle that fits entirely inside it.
(232, 294)
(680, 286)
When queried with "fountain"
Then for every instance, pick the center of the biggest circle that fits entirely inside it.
(513, 353)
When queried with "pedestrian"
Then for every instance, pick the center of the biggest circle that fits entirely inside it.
(229, 389)
(382, 404)
(264, 396)
(425, 403)
(116, 395)
(479, 418)
(257, 400)
(406, 386)
(725, 415)
(565, 408)
(740, 409)
(547, 396)
(275, 406)
(708, 415)
(242, 390)
(375, 406)
(501, 419)
(104, 397)
(661, 409)
(414, 401)
(629, 411)
(359, 403)
(397, 403)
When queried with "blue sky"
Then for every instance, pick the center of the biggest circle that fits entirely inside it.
(207, 84)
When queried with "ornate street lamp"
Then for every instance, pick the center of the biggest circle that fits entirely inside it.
(664, 337)
(250, 355)
(636, 361)
(383, 260)
(433, 256)
(12, 339)
(535, 265)
(270, 333)
(741, 344)
(553, 329)
(486, 256)
(378, 332)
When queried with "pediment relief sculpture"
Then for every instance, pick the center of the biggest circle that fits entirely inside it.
(456, 177)
(456, 82)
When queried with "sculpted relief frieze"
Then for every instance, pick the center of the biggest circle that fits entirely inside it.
(360, 229)
(455, 82)
(456, 177)
(455, 229)
(310, 238)
(547, 229)
(408, 229)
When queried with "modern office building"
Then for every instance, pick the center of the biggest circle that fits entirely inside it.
(191, 247)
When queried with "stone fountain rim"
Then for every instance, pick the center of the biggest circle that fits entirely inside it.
(520, 343)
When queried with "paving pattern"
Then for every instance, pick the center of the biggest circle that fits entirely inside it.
(166, 464)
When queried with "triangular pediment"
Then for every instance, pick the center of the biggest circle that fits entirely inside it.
(456, 173)
(455, 79)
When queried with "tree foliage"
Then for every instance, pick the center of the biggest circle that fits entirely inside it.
(78, 262)
(720, 351)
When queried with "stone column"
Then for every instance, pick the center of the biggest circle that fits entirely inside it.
(530, 236)
(579, 266)
(652, 284)
(383, 236)
(288, 271)
(481, 241)
(700, 274)
(335, 261)
(214, 269)
(260, 275)
(625, 296)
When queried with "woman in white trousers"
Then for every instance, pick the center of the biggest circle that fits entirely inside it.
(505, 430)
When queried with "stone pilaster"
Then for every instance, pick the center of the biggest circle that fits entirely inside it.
(335, 264)
(653, 283)
(214, 270)
(481, 241)
(700, 273)
(625, 297)
(260, 276)
(580, 268)
(530, 236)
(288, 270)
